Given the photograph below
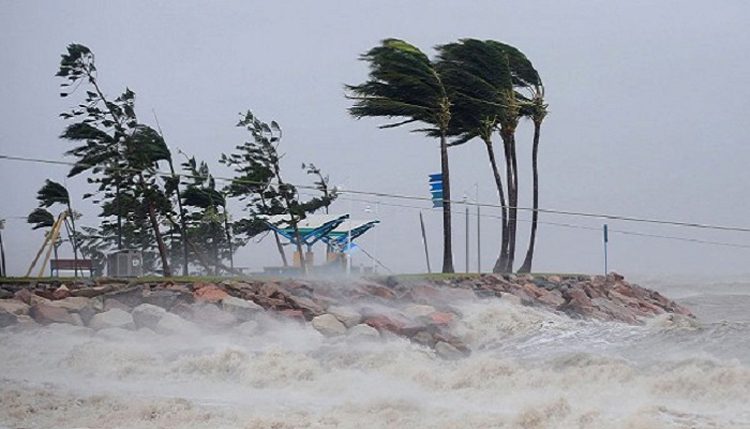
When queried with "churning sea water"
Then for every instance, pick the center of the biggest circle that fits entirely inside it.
(529, 368)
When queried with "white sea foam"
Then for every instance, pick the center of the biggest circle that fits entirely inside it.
(529, 369)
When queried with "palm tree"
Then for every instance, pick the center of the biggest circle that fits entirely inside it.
(537, 111)
(3, 271)
(54, 193)
(404, 83)
(479, 80)
(526, 77)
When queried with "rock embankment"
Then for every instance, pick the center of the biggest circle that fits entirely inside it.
(419, 308)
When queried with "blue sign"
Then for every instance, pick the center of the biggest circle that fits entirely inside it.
(436, 189)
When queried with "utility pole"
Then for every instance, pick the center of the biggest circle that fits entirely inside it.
(606, 240)
(466, 206)
(479, 233)
(424, 240)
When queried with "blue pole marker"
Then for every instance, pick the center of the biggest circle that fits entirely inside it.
(606, 240)
(436, 189)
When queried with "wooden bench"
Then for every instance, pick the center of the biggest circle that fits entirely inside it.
(55, 265)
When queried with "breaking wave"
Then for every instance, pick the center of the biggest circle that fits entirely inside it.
(529, 368)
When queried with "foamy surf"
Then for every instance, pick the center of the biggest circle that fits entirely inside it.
(529, 368)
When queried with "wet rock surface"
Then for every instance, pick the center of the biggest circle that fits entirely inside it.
(421, 309)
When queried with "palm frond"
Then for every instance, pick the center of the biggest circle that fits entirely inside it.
(41, 218)
(52, 193)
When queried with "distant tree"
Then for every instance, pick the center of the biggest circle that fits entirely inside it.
(115, 147)
(260, 184)
(209, 221)
(404, 83)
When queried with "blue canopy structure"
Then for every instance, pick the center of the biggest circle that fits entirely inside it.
(340, 237)
(311, 229)
(334, 230)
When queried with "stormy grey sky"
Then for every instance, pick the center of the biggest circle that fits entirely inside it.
(647, 114)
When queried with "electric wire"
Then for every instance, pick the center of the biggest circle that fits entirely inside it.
(414, 198)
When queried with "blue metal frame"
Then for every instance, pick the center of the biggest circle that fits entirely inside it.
(313, 236)
(339, 242)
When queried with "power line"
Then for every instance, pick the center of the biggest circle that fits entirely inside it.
(583, 227)
(417, 198)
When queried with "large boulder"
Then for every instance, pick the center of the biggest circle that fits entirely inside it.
(132, 295)
(7, 318)
(242, 309)
(45, 314)
(552, 299)
(61, 292)
(76, 303)
(174, 324)
(147, 316)
(24, 295)
(363, 332)
(307, 305)
(211, 315)
(90, 292)
(114, 318)
(166, 298)
(347, 316)
(209, 293)
(328, 325)
(447, 351)
(419, 310)
(14, 306)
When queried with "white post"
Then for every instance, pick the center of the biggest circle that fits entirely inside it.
(349, 241)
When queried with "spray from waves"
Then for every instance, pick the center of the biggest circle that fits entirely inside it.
(529, 369)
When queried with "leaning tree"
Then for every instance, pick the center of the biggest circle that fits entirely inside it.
(479, 82)
(259, 183)
(404, 83)
(49, 194)
(114, 146)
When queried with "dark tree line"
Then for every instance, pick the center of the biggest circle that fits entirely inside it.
(175, 219)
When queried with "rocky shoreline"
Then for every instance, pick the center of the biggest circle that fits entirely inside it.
(418, 308)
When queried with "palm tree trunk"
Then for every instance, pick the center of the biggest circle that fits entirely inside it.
(526, 267)
(281, 249)
(183, 229)
(501, 265)
(229, 237)
(447, 236)
(157, 234)
(3, 272)
(513, 209)
(503, 210)
(159, 240)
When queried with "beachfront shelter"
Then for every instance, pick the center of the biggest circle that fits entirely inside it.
(311, 229)
(339, 238)
(336, 231)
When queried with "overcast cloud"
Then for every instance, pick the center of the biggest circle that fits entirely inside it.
(648, 105)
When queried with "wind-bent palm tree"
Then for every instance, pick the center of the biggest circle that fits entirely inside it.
(54, 193)
(3, 271)
(404, 83)
(526, 77)
(478, 77)
(537, 111)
